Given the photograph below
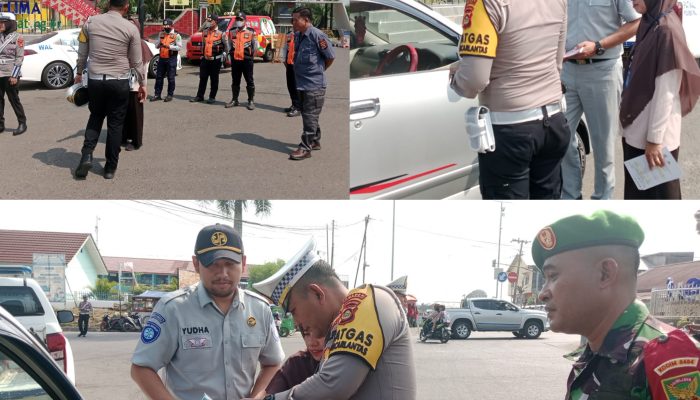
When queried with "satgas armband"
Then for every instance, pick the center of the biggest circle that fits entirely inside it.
(479, 36)
(356, 330)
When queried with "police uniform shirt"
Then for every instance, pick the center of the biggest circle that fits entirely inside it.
(204, 351)
(348, 376)
(512, 53)
(595, 19)
(12, 55)
(113, 45)
(312, 48)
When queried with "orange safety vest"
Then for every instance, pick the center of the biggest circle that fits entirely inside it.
(240, 39)
(165, 42)
(290, 48)
(210, 41)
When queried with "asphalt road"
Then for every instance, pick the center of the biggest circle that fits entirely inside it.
(486, 366)
(687, 157)
(190, 150)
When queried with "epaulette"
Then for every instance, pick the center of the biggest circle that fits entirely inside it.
(257, 295)
(178, 293)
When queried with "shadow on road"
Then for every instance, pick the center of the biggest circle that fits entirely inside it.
(254, 139)
(62, 158)
(81, 134)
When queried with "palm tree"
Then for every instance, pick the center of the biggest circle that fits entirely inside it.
(236, 207)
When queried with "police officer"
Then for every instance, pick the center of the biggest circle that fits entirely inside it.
(113, 45)
(288, 60)
(368, 352)
(209, 337)
(590, 268)
(313, 55)
(169, 46)
(511, 57)
(241, 44)
(212, 56)
(11, 57)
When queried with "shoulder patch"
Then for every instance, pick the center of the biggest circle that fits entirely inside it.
(323, 44)
(479, 36)
(20, 41)
(672, 366)
(150, 333)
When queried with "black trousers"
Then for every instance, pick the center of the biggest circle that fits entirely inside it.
(311, 106)
(292, 86)
(169, 66)
(106, 99)
(133, 122)
(666, 191)
(12, 95)
(209, 69)
(527, 161)
(83, 323)
(245, 68)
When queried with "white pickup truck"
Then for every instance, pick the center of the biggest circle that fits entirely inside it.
(496, 315)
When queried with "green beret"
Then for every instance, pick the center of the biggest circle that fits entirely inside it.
(579, 231)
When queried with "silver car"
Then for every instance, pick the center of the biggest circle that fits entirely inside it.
(408, 134)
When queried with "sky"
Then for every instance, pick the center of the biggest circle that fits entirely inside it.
(445, 247)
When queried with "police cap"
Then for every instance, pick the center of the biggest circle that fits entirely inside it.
(241, 16)
(168, 22)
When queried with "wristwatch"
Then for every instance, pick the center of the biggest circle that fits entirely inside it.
(599, 50)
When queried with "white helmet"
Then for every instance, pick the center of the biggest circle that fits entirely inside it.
(7, 16)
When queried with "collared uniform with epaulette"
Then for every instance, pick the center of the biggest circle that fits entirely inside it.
(11, 58)
(212, 57)
(242, 45)
(641, 358)
(169, 46)
(204, 351)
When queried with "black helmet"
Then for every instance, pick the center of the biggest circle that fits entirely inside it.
(168, 21)
(241, 16)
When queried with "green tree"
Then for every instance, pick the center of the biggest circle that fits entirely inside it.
(103, 285)
(235, 208)
(261, 272)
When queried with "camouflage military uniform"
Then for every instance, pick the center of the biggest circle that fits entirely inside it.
(625, 368)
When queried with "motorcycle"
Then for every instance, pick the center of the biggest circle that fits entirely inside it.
(123, 324)
(136, 320)
(442, 331)
(693, 330)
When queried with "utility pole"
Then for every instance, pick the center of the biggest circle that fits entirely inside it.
(520, 260)
(363, 247)
(327, 253)
(500, 229)
(393, 237)
(332, 241)
(97, 231)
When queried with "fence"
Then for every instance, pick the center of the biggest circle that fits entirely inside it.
(676, 302)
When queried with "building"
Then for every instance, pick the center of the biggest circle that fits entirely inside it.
(528, 285)
(666, 258)
(656, 277)
(61, 262)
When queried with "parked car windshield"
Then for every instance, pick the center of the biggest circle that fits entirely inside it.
(20, 301)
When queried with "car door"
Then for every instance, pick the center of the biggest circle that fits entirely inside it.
(484, 312)
(510, 316)
(407, 129)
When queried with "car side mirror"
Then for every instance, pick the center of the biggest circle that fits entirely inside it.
(65, 316)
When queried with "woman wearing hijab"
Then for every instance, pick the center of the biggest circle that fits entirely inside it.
(661, 86)
(132, 137)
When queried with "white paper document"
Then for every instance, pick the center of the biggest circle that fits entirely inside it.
(646, 178)
(573, 52)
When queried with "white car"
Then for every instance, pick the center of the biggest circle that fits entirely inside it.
(52, 58)
(26, 301)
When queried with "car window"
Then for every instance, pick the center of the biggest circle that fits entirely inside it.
(16, 383)
(71, 40)
(483, 304)
(42, 38)
(378, 29)
(20, 301)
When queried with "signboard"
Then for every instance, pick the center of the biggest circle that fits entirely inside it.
(211, 2)
(203, 4)
(185, 3)
(497, 271)
(502, 276)
(512, 277)
(49, 271)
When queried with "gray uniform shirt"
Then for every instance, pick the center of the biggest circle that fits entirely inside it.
(312, 49)
(525, 72)
(204, 351)
(345, 376)
(12, 55)
(595, 19)
(113, 45)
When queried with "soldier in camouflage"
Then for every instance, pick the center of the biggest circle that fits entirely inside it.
(11, 57)
(590, 268)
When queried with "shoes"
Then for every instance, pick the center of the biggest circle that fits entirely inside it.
(156, 98)
(109, 173)
(288, 109)
(251, 105)
(211, 100)
(168, 98)
(196, 100)
(300, 154)
(20, 129)
(130, 147)
(2, 127)
(232, 103)
(315, 145)
(293, 113)
(84, 166)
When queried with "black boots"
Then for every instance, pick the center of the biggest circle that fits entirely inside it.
(84, 166)
(234, 100)
(251, 96)
(20, 129)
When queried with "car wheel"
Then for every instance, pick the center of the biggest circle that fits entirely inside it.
(57, 75)
(153, 67)
(461, 330)
(532, 330)
(581, 153)
(269, 54)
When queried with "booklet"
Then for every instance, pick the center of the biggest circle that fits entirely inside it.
(573, 52)
(646, 178)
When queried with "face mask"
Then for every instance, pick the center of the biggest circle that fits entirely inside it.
(167, 29)
(239, 24)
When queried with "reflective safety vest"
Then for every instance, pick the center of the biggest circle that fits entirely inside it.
(242, 42)
(213, 45)
(165, 41)
(290, 48)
